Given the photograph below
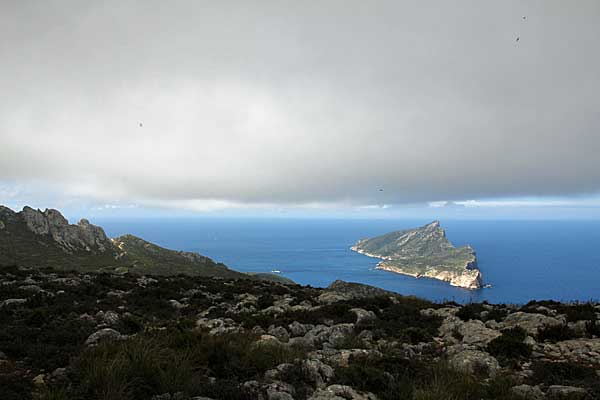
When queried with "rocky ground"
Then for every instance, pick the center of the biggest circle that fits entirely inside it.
(108, 336)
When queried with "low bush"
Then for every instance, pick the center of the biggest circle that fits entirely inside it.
(555, 333)
(510, 345)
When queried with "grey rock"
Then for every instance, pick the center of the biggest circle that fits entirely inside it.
(332, 297)
(12, 302)
(267, 340)
(475, 362)
(83, 236)
(177, 305)
(279, 391)
(558, 392)
(218, 326)
(364, 317)
(530, 322)
(527, 392)
(108, 317)
(341, 392)
(279, 332)
(317, 372)
(102, 335)
(31, 288)
(298, 329)
(475, 333)
(339, 333)
(575, 350)
(317, 335)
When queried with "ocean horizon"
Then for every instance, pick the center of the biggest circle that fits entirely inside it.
(521, 260)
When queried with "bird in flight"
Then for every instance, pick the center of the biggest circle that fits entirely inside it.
(518, 38)
(524, 17)
(141, 124)
(381, 190)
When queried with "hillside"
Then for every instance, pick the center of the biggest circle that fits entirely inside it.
(35, 238)
(68, 335)
(424, 252)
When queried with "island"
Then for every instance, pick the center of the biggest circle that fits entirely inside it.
(424, 252)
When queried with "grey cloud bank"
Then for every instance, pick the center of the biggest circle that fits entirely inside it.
(301, 102)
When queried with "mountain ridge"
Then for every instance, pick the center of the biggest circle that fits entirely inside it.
(36, 238)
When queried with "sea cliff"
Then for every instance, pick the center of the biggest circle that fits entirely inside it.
(424, 252)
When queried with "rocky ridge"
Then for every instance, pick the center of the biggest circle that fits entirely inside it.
(172, 337)
(38, 238)
(424, 252)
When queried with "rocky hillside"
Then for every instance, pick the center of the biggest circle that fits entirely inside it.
(424, 252)
(38, 238)
(69, 335)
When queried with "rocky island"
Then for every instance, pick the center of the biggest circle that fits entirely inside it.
(83, 316)
(424, 252)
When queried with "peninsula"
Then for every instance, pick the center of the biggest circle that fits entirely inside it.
(35, 238)
(424, 252)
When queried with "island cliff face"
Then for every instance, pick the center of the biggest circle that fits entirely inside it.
(424, 252)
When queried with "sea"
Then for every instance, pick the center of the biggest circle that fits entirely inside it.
(521, 260)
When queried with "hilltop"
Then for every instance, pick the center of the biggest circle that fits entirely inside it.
(46, 239)
(424, 252)
(108, 336)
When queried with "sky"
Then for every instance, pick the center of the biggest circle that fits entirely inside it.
(466, 109)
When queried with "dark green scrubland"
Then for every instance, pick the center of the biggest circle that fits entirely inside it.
(181, 337)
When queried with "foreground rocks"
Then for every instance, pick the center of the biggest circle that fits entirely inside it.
(200, 338)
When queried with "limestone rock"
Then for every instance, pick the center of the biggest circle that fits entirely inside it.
(527, 392)
(341, 392)
(298, 329)
(530, 322)
(83, 236)
(102, 335)
(558, 392)
(364, 317)
(279, 332)
(475, 362)
(12, 302)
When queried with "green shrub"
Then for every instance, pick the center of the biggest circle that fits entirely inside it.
(556, 333)
(470, 311)
(562, 373)
(510, 346)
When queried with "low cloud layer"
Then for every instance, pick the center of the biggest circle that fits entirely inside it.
(301, 103)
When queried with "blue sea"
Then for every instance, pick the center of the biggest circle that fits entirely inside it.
(522, 260)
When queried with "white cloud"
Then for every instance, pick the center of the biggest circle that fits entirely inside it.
(275, 105)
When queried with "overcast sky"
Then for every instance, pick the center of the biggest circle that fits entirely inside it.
(321, 105)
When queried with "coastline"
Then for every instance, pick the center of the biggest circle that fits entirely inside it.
(470, 278)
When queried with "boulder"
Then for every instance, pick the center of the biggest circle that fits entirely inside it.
(475, 362)
(317, 372)
(298, 329)
(527, 392)
(12, 302)
(474, 332)
(341, 392)
(364, 317)
(279, 391)
(279, 332)
(530, 322)
(103, 335)
(582, 350)
(108, 317)
(558, 392)
(339, 333)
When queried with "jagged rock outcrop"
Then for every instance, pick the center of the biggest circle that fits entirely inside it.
(46, 239)
(424, 252)
(83, 236)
